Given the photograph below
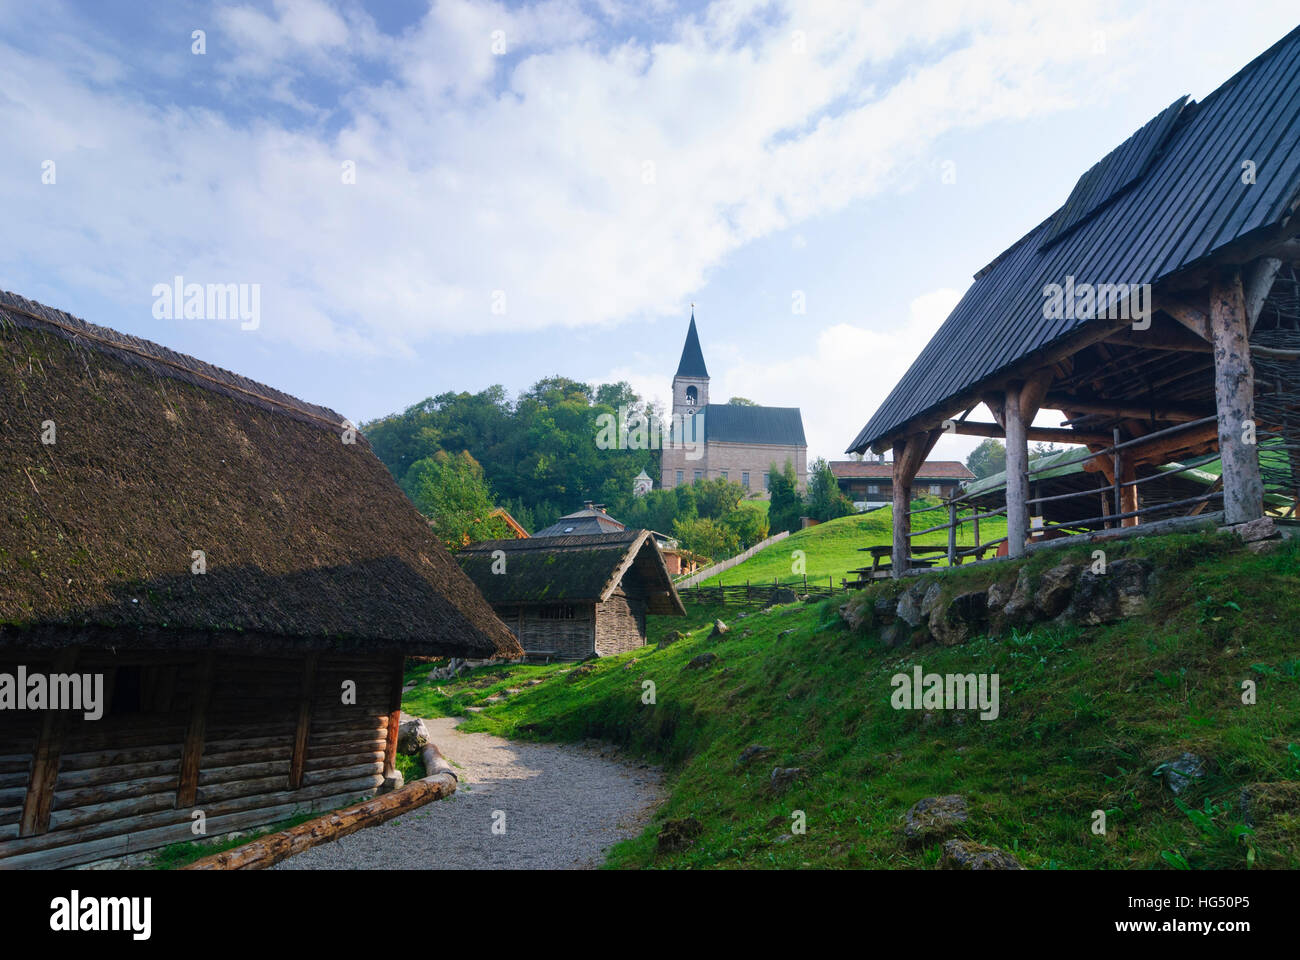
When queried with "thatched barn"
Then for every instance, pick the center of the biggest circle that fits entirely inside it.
(225, 577)
(578, 596)
(1156, 309)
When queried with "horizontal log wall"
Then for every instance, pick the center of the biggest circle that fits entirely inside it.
(118, 784)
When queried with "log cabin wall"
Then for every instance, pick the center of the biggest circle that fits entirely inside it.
(620, 623)
(225, 733)
(548, 630)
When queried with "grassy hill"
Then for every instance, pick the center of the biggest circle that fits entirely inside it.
(832, 548)
(1087, 717)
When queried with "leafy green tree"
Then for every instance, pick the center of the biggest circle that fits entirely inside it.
(716, 497)
(451, 492)
(741, 402)
(988, 458)
(749, 526)
(706, 537)
(825, 499)
(786, 505)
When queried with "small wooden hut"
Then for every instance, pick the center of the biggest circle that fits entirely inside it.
(1155, 309)
(576, 596)
(234, 566)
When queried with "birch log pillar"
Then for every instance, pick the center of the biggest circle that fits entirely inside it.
(901, 557)
(1017, 474)
(1234, 391)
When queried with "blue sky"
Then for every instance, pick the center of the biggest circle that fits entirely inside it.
(546, 188)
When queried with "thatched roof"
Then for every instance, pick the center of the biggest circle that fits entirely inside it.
(575, 569)
(307, 540)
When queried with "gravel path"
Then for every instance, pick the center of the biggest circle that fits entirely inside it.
(564, 806)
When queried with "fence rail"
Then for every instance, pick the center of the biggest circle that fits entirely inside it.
(759, 593)
(726, 565)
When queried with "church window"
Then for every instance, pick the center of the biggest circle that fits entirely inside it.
(699, 474)
(679, 478)
(744, 479)
(692, 396)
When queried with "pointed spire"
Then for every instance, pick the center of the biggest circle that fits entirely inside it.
(692, 362)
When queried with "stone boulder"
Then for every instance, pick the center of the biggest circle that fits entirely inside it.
(781, 595)
(934, 818)
(1055, 588)
(963, 617)
(719, 629)
(676, 835)
(702, 661)
(1020, 607)
(671, 637)
(856, 612)
(1121, 591)
(908, 606)
(785, 777)
(967, 855)
(412, 734)
(1182, 772)
(750, 752)
(896, 634)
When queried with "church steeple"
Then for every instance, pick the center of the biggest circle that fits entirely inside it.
(691, 384)
(692, 362)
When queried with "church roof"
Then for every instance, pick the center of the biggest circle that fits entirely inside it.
(733, 423)
(692, 362)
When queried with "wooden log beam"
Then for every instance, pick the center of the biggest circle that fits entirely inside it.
(1125, 409)
(39, 801)
(1234, 391)
(1017, 478)
(1258, 282)
(1188, 314)
(1045, 434)
(192, 752)
(270, 850)
(909, 454)
(1163, 335)
(306, 696)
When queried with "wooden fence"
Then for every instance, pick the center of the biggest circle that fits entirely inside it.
(726, 565)
(758, 593)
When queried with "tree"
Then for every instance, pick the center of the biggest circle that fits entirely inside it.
(786, 505)
(741, 402)
(450, 491)
(750, 526)
(825, 499)
(1041, 449)
(717, 497)
(706, 537)
(988, 458)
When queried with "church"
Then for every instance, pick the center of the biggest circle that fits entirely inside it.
(733, 441)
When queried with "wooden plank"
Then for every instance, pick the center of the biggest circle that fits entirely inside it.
(306, 696)
(1234, 391)
(973, 428)
(39, 801)
(192, 751)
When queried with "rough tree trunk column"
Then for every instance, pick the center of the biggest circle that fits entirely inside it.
(1017, 475)
(902, 483)
(1234, 390)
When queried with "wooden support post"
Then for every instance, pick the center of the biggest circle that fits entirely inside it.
(952, 533)
(192, 753)
(1017, 476)
(306, 696)
(45, 759)
(1129, 493)
(909, 455)
(1234, 391)
(975, 526)
(394, 716)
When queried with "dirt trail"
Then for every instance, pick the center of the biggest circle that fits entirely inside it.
(564, 805)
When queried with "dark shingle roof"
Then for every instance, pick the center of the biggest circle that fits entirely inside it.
(573, 568)
(692, 362)
(308, 542)
(584, 522)
(733, 423)
(1189, 203)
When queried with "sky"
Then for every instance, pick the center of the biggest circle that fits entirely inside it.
(443, 195)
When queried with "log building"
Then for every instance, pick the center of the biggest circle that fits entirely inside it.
(235, 566)
(575, 596)
(1142, 309)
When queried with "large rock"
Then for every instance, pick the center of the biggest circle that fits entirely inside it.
(908, 607)
(1132, 584)
(781, 595)
(931, 601)
(412, 734)
(998, 595)
(719, 629)
(702, 661)
(1020, 608)
(1055, 587)
(784, 777)
(962, 618)
(885, 609)
(895, 634)
(857, 612)
(1182, 772)
(671, 637)
(677, 835)
(934, 818)
(968, 855)
(1121, 591)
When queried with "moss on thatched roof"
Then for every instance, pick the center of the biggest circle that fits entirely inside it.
(306, 539)
(574, 569)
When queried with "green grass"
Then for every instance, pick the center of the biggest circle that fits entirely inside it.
(1087, 715)
(831, 549)
(177, 855)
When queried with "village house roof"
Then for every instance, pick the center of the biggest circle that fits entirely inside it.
(571, 569)
(930, 470)
(591, 519)
(307, 541)
(1160, 204)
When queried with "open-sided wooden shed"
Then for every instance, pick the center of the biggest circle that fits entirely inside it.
(575, 596)
(235, 566)
(1142, 309)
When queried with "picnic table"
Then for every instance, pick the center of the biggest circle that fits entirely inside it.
(879, 570)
